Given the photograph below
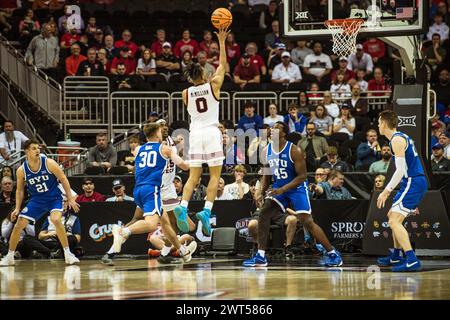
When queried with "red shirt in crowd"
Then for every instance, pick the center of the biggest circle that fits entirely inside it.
(96, 197)
(246, 73)
(257, 60)
(349, 74)
(67, 37)
(233, 52)
(374, 85)
(156, 47)
(181, 46)
(130, 44)
(376, 49)
(72, 63)
(203, 46)
(130, 64)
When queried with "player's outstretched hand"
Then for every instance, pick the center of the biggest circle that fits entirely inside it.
(14, 214)
(381, 201)
(222, 34)
(73, 205)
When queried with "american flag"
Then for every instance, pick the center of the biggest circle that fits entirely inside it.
(404, 13)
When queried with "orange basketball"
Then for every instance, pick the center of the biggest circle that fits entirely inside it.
(221, 17)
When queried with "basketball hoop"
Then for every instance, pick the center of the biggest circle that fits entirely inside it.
(344, 32)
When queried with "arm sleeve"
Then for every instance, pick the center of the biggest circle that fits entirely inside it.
(400, 170)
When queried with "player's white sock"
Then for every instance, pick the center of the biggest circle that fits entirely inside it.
(262, 253)
(208, 205)
(165, 251)
(183, 250)
(67, 251)
(126, 232)
(111, 250)
(184, 204)
(10, 253)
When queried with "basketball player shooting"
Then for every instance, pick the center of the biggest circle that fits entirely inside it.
(413, 186)
(205, 139)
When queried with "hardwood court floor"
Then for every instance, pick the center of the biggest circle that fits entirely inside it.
(218, 278)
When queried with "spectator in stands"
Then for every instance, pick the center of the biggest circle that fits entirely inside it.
(7, 171)
(103, 59)
(314, 146)
(119, 192)
(246, 72)
(378, 84)
(258, 143)
(238, 188)
(6, 229)
(11, 142)
(122, 81)
(71, 223)
(208, 69)
(322, 121)
(439, 26)
(186, 62)
(178, 182)
(379, 183)
(69, 38)
(221, 194)
(91, 27)
(91, 67)
(28, 28)
(127, 158)
(333, 162)
(251, 195)
(345, 123)
(250, 120)
(368, 152)
(7, 194)
(5, 15)
(96, 41)
(332, 108)
(314, 94)
(126, 59)
(275, 56)
(111, 50)
(444, 140)
(274, 37)
(255, 58)
(146, 65)
(233, 50)
(62, 21)
(295, 120)
(349, 75)
(199, 191)
(43, 52)
(299, 53)
(375, 48)
(333, 188)
(167, 63)
(157, 45)
(303, 103)
(206, 42)
(442, 88)
(439, 163)
(89, 193)
(74, 60)
(286, 72)
(340, 87)
(213, 56)
(360, 60)
(319, 176)
(382, 165)
(357, 104)
(268, 15)
(186, 43)
(435, 54)
(103, 154)
(317, 66)
(84, 44)
(360, 80)
(273, 116)
(126, 42)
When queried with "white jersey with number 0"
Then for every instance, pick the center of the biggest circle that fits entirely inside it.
(203, 106)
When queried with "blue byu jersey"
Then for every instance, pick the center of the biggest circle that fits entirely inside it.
(413, 165)
(281, 165)
(43, 183)
(150, 164)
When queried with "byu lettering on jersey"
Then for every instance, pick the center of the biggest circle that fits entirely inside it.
(283, 171)
(150, 165)
(44, 190)
(414, 184)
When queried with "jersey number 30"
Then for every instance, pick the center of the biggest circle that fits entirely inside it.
(202, 105)
(148, 159)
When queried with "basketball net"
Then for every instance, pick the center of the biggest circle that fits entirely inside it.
(344, 33)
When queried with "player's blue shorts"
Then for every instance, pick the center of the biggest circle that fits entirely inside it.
(148, 198)
(37, 207)
(296, 199)
(411, 192)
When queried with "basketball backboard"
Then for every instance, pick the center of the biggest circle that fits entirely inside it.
(304, 19)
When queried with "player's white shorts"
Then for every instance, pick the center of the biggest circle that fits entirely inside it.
(169, 198)
(206, 146)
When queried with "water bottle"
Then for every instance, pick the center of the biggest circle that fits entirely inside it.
(68, 137)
